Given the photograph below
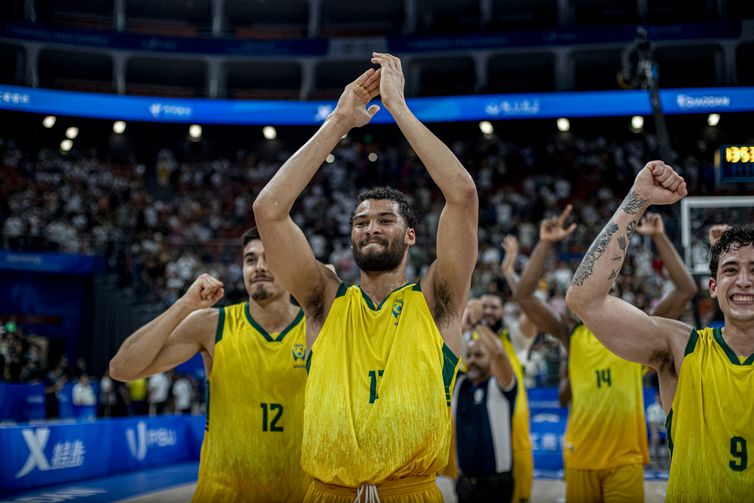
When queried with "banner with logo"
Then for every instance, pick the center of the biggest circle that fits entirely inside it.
(442, 109)
(35, 456)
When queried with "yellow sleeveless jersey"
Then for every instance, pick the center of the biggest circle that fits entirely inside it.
(520, 434)
(711, 423)
(606, 425)
(252, 443)
(378, 393)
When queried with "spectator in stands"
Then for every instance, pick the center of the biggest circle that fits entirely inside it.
(159, 388)
(183, 394)
(107, 395)
(656, 421)
(84, 399)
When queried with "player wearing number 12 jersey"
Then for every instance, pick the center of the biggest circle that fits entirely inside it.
(254, 356)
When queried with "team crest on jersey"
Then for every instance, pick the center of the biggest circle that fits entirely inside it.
(397, 310)
(299, 356)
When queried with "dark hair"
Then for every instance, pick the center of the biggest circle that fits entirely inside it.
(250, 235)
(390, 194)
(741, 234)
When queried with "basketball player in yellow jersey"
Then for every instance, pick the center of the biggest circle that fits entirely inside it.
(382, 355)
(253, 354)
(606, 435)
(706, 376)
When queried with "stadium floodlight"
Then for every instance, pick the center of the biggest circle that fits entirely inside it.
(195, 132)
(330, 158)
(49, 121)
(72, 132)
(486, 128)
(66, 145)
(713, 119)
(269, 133)
(119, 127)
(637, 123)
(372, 157)
(564, 124)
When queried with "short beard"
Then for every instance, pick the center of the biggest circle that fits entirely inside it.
(388, 260)
(260, 293)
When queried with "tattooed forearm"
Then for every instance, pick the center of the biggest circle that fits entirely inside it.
(586, 268)
(633, 203)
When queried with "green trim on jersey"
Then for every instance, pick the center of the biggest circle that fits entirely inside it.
(449, 365)
(264, 333)
(691, 344)
(669, 428)
(220, 324)
(718, 334)
(371, 304)
(206, 400)
(342, 289)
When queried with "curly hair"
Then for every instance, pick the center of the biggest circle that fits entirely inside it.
(390, 194)
(742, 235)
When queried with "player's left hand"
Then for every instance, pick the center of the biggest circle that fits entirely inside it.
(658, 183)
(392, 80)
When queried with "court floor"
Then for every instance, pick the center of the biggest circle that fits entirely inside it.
(175, 484)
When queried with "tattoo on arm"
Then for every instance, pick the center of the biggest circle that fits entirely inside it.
(586, 268)
(632, 203)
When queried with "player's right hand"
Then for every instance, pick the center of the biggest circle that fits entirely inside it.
(351, 107)
(204, 292)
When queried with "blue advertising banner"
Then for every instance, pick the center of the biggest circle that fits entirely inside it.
(444, 109)
(35, 456)
(69, 263)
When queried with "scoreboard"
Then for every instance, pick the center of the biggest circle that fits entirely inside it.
(734, 164)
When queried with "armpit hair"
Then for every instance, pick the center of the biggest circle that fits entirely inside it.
(663, 359)
(443, 311)
(315, 307)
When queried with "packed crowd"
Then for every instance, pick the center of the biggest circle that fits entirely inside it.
(163, 222)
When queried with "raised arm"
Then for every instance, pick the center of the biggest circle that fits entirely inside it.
(184, 329)
(508, 265)
(448, 280)
(551, 230)
(684, 287)
(289, 254)
(622, 328)
(500, 365)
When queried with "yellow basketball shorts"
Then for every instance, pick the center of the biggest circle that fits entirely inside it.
(623, 484)
(408, 490)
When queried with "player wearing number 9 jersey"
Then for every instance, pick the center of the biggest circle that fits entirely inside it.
(706, 376)
(253, 354)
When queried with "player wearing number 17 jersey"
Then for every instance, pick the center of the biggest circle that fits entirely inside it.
(253, 354)
(706, 376)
